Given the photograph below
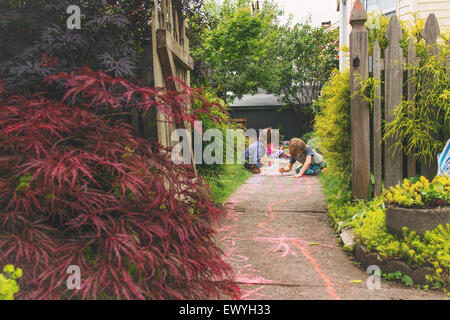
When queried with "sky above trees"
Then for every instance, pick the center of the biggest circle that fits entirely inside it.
(321, 11)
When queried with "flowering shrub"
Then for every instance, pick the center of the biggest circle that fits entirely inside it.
(77, 187)
(8, 283)
(420, 193)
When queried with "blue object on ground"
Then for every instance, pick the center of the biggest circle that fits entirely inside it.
(444, 160)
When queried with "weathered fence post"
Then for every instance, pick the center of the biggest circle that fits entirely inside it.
(393, 59)
(377, 146)
(411, 165)
(360, 116)
(430, 34)
(149, 125)
(171, 59)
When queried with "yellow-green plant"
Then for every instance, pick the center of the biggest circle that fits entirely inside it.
(8, 283)
(420, 125)
(332, 126)
(377, 24)
(368, 220)
(419, 192)
(366, 89)
(433, 250)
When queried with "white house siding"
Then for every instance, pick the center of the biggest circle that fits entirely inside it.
(441, 8)
(405, 10)
(344, 8)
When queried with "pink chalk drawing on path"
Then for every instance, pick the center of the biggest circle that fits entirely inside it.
(248, 275)
(282, 242)
(279, 183)
(254, 292)
(299, 183)
(244, 270)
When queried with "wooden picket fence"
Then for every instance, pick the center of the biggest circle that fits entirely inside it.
(368, 147)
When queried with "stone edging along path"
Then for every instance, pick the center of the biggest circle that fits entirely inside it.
(367, 259)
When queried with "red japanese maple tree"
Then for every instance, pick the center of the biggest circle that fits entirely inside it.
(78, 187)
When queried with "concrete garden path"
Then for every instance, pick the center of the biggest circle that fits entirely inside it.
(277, 237)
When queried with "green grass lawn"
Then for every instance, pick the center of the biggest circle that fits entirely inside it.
(227, 180)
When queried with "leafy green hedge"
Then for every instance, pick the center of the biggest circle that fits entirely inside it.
(223, 179)
(332, 128)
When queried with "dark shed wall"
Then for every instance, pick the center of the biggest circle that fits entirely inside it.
(263, 117)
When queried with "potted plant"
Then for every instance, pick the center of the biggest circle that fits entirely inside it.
(418, 205)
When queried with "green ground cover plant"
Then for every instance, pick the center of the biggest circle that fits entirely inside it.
(398, 276)
(8, 282)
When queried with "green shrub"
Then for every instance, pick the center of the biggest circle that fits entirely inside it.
(312, 141)
(307, 136)
(223, 179)
(8, 283)
(377, 25)
(208, 123)
(332, 128)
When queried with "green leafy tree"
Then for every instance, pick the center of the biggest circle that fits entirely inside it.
(306, 57)
(235, 46)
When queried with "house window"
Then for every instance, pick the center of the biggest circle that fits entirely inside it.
(387, 7)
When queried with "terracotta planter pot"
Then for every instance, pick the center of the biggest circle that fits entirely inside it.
(419, 220)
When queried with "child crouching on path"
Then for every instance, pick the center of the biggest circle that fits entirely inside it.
(257, 150)
(312, 161)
